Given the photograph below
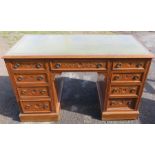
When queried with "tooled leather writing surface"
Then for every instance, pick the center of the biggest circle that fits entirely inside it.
(77, 45)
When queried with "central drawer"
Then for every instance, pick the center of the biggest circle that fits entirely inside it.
(78, 64)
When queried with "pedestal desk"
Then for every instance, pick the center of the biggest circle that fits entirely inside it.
(35, 60)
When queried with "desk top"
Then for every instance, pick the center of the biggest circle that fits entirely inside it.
(78, 46)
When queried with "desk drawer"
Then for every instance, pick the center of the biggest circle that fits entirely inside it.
(36, 106)
(75, 65)
(127, 77)
(125, 103)
(129, 64)
(25, 92)
(31, 78)
(28, 65)
(124, 90)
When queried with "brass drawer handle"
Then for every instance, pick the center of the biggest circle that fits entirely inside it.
(135, 77)
(116, 77)
(20, 78)
(39, 78)
(38, 65)
(57, 65)
(16, 66)
(99, 65)
(139, 65)
(43, 92)
(118, 65)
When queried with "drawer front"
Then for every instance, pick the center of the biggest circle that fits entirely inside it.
(30, 78)
(124, 90)
(33, 92)
(28, 65)
(35, 106)
(127, 77)
(122, 103)
(67, 64)
(128, 64)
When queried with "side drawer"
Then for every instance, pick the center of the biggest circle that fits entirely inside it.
(124, 90)
(121, 104)
(31, 78)
(25, 92)
(36, 106)
(78, 64)
(126, 77)
(28, 65)
(129, 64)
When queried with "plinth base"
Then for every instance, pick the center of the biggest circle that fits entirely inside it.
(125, 115)
(48, 117)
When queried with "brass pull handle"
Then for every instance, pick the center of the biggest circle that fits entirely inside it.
(99, 65)
(43, 91)
(16, 66)
(118, 65)
(139, 65)
(38, 65)
(20, 78)
(39, 78)
(58, 65)
(116, 78)
(135, 77)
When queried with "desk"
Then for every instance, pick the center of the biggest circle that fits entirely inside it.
(34, 62)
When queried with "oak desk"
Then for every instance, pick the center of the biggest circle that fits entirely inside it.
(121, 62)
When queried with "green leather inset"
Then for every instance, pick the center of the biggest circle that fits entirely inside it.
(77, 45)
